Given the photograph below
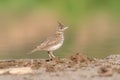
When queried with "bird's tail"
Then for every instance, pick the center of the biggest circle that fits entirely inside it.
(34, 50)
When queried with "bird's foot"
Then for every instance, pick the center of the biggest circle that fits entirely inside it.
(47, 60)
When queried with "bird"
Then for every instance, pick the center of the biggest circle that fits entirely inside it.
(53, 42)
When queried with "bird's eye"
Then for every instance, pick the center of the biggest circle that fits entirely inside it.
(60, 27)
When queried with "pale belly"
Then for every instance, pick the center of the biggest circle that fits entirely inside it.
(55, 47)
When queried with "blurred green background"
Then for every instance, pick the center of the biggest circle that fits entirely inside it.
(94, 27)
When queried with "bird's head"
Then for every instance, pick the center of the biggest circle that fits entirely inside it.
(61, 27)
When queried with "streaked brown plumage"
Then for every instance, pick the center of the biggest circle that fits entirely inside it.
(53, 42)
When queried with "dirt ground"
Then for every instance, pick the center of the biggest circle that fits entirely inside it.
(75, 67)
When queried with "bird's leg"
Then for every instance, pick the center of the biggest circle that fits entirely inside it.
(53, 56)
(49, 54)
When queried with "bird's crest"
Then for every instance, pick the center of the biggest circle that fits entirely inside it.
(60, 25)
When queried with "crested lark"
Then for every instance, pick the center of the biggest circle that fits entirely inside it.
(53, 42)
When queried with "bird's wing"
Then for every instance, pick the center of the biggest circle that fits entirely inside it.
(49, 41)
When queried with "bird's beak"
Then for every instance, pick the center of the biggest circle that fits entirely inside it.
(65, 28)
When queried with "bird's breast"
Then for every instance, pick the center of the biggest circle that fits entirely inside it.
(57, 46)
